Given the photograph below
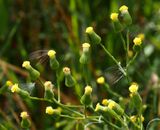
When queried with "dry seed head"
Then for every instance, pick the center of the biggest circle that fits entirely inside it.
(24, 115)
(137, 41)
(89, 30)
(26, 64)
(51, 53)
(114, 17)
(15, 88)
(66, 70)
(48, 85)
(101, 80)
(133, 87)
(88, 90)
(123, 8)
(105, 102)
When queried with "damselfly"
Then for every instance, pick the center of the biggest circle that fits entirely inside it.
(114, 74)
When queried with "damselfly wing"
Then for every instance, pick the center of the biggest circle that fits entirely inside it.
(27, 87)
(40, 56)
(114, 74)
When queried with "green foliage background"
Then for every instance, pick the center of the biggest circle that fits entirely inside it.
(30, 25)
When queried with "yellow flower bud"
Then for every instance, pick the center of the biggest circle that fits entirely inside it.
(24, 115)
(101, 80)
(133, 118)
(123, 8)
(111, 104)
(130, 53)
(98, 106)
(105, 102)
(89, 30)
(141, 36)
(114, 17)
(137, 41)
(85, 47)
(51, 53)
(142, 118)
(66, 70)
(48, 85)
(15, 88)
(88, 90)
(9, 83)
(26, 64)
(49, 110)
(133, 87)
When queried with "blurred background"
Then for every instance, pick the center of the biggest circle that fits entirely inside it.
(30, 25)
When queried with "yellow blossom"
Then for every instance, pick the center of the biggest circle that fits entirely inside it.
(137, 41)
(66, 70)
(15, 88)
(48, 85)
(133, 87)
(101, 80)
(105, 102)
(133, 118)
(24, 114)
(97, 107)
(141, 36)
(123, 8)
(89, 30)
(26, 64)
(49, 110)
(111, 104)
(88, 90)
(85, 47)
(114, 16)
(51, 53)
(9, 83)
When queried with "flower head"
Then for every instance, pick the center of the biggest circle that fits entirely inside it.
(9, 83)
(24, 115)
(123, 8)
(133, 87)
(89, 30)
(48, 85)
(26, 64)
(101, 80)
(133, 118)
(85, 47)
(51, 53)
(49, 110)
(98, 106)
(111, 104)
(137, 41)
(15, 88)
(141, 36)
(105, 102)
(66, 70)
(88, 90)
(114, 16)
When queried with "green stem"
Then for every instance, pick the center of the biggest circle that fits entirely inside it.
(123, 41)
(112, 125)
(132, 60)
(58, 86)
(127, 46)
(110, 55)
(111, 92)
